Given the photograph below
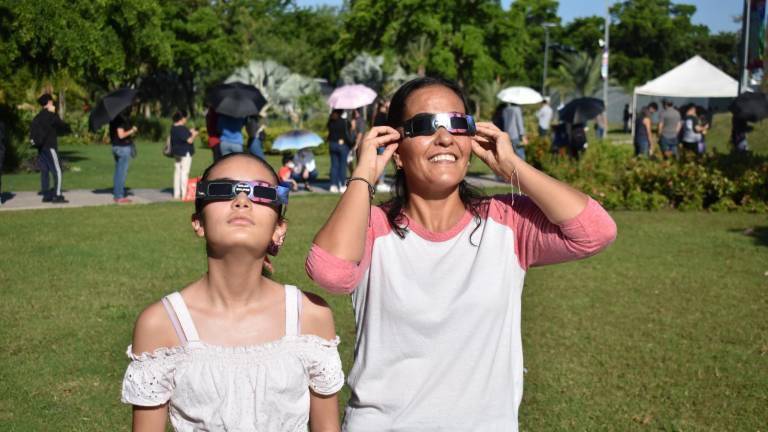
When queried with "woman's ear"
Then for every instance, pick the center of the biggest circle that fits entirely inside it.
(197, 225)
(278, 236)
(396, 158)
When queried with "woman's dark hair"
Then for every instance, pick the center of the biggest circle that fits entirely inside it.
(199, 204)
(472, 198)
(178, 115)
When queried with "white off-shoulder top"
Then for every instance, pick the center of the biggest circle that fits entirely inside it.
(261, 387)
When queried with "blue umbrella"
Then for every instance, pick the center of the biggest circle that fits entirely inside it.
(296, 140)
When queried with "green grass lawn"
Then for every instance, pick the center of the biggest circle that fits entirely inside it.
(666, 330)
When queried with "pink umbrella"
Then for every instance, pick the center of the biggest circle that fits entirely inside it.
(351, 97)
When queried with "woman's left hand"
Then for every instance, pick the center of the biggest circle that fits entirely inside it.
(493, 146)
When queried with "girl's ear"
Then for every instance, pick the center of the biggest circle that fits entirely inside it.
(396, 158)
(278, 237)
(197, 225)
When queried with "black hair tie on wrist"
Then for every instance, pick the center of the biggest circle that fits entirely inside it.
(371, 189)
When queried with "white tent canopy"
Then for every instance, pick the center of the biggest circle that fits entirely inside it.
(696, 78)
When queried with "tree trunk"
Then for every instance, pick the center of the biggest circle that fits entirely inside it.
(147, 110)
(422, 71)
(62, 103)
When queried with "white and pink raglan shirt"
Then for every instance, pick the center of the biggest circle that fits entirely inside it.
(438, 314)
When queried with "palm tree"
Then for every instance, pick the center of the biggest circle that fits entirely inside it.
(578, 75)
(418, 54)
(484, 95)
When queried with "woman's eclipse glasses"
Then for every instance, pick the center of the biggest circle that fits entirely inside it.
(426, 124)
(257, 191)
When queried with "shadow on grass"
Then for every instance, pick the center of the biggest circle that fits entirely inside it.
(759, 234)
(6, 196)
(106, 191)
(72, 156)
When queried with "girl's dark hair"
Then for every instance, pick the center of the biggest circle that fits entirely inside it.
(178, 115)
(472, 198)
(199, 204)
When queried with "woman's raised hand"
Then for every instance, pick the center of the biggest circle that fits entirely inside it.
(493, 146)
(370, 164)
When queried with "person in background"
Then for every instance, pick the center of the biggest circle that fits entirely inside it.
(358, 127)
(305, 169)
(44, 132)
(627, 116)
(693, 130)
(512, 117)
(704, 120)
(231, 134)
(338, 146)
(739, 130)
(182, 148)
(544, 116)
(380, 119)
(644, 130)
(212, 129)
(121, 134)
(285, 173)
(601, 125)
(255, 130)
(669, 129)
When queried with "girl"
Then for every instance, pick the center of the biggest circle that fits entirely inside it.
(235, 350)
(182, 149)
(437, 272)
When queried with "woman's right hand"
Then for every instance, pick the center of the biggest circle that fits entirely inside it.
(371, 164)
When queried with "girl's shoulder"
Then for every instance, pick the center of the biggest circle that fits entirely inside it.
(153, 330)
(316, 316)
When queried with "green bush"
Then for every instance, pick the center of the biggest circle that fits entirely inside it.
(610, 173)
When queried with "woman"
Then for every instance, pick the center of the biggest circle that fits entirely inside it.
(121, 134)
(182, 149)
(643, 130)
(338, 145)
(236, 350)
(436, 274)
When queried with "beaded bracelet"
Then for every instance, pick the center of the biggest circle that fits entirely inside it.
(371, 189)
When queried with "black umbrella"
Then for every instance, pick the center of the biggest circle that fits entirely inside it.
(581, 109)
(236, 99)
(750, 106)
(110, 106)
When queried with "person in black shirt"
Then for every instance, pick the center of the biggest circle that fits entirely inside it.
(121, 134)
(338, 146)
(182, 148)
(44, 131)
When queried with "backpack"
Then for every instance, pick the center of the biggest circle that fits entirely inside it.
(37, 133)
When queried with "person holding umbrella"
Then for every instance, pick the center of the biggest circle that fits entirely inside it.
(44, 132)
(436, 274)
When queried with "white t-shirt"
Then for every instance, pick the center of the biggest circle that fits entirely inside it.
(544, 114)
(438, 343)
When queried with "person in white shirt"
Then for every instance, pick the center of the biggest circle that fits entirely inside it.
(544, 116)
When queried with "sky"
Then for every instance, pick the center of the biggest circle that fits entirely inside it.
(716, 14)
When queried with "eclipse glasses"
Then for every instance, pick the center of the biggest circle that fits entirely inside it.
(257, 191)
(426, 124)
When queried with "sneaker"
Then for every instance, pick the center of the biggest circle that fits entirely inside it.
(383, 187)
(59, 199)
(343, 189)
(333, 189)
(47, 198)
(123, 200)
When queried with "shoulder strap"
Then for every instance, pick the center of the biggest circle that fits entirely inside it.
(292, 310)
(184, 318)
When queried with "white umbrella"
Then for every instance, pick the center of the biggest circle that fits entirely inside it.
(520, 95)
(351, 97)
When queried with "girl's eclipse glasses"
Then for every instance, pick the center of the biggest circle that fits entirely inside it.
(426, 124)
(257, 191)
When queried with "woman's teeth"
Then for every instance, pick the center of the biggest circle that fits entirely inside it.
(443, 158)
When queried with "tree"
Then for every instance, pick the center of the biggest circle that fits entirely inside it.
(583, 33)
(650, 37)
(471, 40)
(577, 75)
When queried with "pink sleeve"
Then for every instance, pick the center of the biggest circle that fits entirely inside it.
(538, 241)
(340, 276)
